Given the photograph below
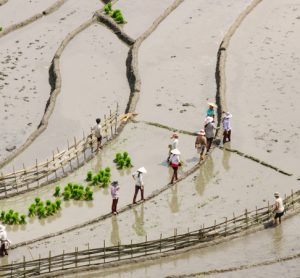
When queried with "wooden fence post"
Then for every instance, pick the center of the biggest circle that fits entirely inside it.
(131, 249)
(188, 233)
(175, 238)
(76, 256)
(39, 263)
(160, 243)
(4, 184)
(24, 267)
(11, 269)
(15, 178)
(75, 144)
(110, 123)
(118, 250)
(146, 245)
(91, 144)
(246, 214)
(49, 260)
(225, 226)
(25, 172)
(293, 200)
(268, 209)
(256, 214)
(116, 117)
(37, 173)
(63, 260)
(84, 145)
(104, 250)
(89, 254)
(54, 164)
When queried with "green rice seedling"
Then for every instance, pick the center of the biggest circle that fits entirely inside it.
(108, 8)
(105, 181)
(41, 211)
(58, 204)
(89, 195)
(121, 163)
(125, 155)
(37, 200)
(89, 176)
(80, 194)
(53, 207)
(15, 218)
(7, 218)
(67, 195)
(70, 185)
(22, 219)
(81, 187)
(107, 170)
(10, 211)
(118, 157)
(95, 180)
(119, 19)
(48, 203)
(1, 29)
(115, 13)
(75, 186)
(32, 210)
(87, 189)
(2, 215)
(128, 162)
(57, 191)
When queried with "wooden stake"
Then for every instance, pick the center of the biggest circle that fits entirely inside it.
(111, 127)
(63, 260)
(246, 214)
(24, 266)
(49, 261)
(256, 214)
(37, 173)
(39, 263)
(160, 243)
(146, 245)
(104, 251)
(119, 257)
(76, 256)
(89, 254)
(15, 178)
(47, 170)
(131, 251)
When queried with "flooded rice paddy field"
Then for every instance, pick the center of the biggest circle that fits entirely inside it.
(178, 62)
(177, 67)
(262, 72)
(256, 248)
(25, 57)
(28, 8)
(89, 66)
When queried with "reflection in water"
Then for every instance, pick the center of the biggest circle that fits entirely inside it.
(226, 157)
(98, 163)
(174, 204)
(277, 238)
(138, 225)
(115, 236)
(205, 175)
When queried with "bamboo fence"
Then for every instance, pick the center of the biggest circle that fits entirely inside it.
(110, 254)
(61, 162)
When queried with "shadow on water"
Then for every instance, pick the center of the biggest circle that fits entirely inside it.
(226, 158)
(115, 235)
(174, 203)
(206, 172)
(138, 225)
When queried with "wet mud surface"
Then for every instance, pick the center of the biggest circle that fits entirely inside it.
(25, 57)
(178, 62)
(28, 8)
(251, 249)
(262, 72)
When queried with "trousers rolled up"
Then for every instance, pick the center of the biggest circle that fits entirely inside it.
(114, 205)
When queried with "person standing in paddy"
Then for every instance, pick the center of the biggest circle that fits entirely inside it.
(175, 163)
(278, 209)
(227, 128)
(211, 110)
(4, 242)
(209, 128)
(174, 144)
(98, 133)
(139, 183)
(114, 190)
(200, 143)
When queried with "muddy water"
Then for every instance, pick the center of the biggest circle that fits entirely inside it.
(25, 8)
(255, 248)
(154, 161)
(214, 192)
(177, 62)
(25, 57)
(90, 66)
(140, 14)
(262, 71)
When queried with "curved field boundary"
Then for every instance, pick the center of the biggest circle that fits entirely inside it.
(96, 258)
(242, 267)
(31, 19)
(2, 2)
(60, 165)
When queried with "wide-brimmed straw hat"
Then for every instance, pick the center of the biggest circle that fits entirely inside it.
(175, 151)
(174, 135)
(208, 120)
(2, 228)
(142, 170)
(114, 183)
(201, 132)
(228, 115)
(276, 194)
(212, 104)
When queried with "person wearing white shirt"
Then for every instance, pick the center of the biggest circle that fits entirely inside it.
(4, 241)
(174, 144)
(98, 133)
(227, 128)
(174, 161)
(139, 183)
(278, 209)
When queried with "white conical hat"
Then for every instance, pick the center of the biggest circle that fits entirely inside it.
(2, 228)
(142, 170)
(175, 151)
